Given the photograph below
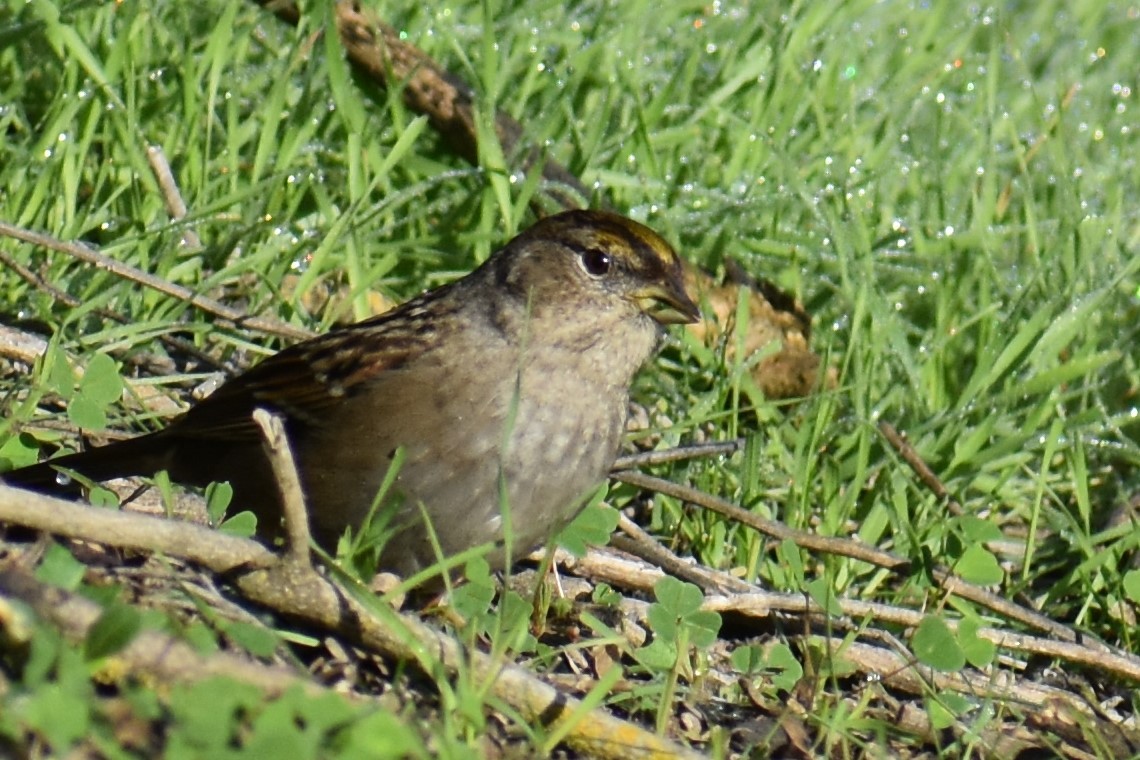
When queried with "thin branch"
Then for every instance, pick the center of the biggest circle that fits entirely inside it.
(171, 195)
(159, 655)
(21, 346)
(854, 614)
(376, 52)
(91, 256)
(280, 454)
(220, 552)
(640, 544)
(902, 672)
(178, 344)
(28, 348)
(677, 454)
(848, 548)
(301, 593)
(772, 528)
(306, 596)
(919, 466)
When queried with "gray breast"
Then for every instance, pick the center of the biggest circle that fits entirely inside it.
(460, 441)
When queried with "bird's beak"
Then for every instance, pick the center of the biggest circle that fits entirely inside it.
(668, 303)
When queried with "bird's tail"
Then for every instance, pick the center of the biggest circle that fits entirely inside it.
(135, 456)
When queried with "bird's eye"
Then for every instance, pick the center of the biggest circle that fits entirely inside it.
(596, 262)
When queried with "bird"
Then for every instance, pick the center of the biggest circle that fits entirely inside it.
(506, 392)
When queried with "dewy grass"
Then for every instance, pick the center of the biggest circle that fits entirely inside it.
(950, 189)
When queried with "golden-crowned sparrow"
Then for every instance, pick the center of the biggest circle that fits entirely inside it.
(507, 389)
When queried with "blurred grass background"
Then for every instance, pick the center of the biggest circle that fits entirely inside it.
(951, 189)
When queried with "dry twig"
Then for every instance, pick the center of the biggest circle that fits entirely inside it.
(175, 206)
(299, 592)
(853, 549)
(158, 367)
(87, 254)
(280, 455)
(163, 657)
(920, 467)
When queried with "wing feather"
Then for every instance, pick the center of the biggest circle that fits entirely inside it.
(301, 382)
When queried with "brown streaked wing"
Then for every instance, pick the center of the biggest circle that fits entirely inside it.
(300, 382)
